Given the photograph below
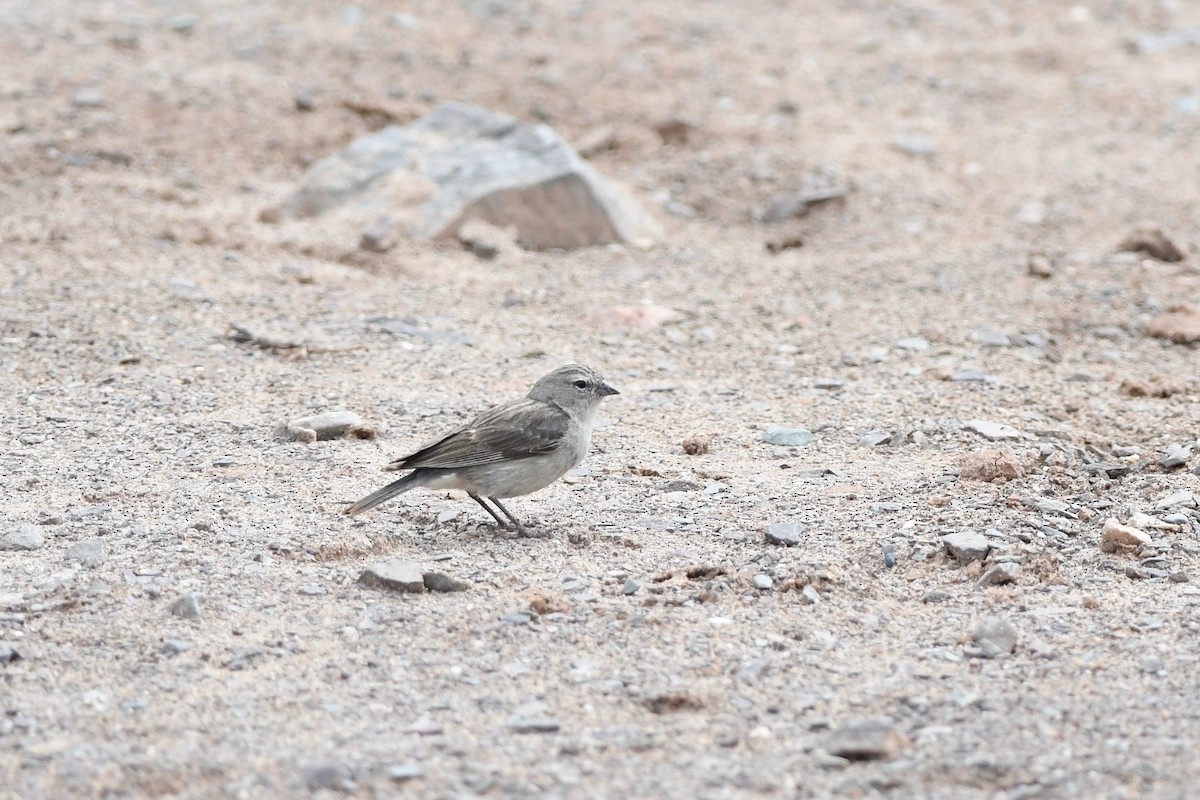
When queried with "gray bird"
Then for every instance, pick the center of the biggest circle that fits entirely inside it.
(513, 449)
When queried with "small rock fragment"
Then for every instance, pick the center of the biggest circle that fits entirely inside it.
(8, 653)
(999, 575)
(786, 437)
(876, 438)
(631, 587)
(89, 552)
(1117, 537)
(23, 537)
(1184, 497)
(330, 425)
(995, 636)
(173, 647)
(867, 740)
(1178, 455)
(1180, 325)
(441, 582)
(186, 606)
(406, 772)
(88, 97)
(697, 445)
(325, 776)
(382, 236)
(967, 546)
(991, 465)
(635, 317)
(1039, 266)
(394, 574)
(672, 701)
(1048, 505)
(762, 581)
(1149, 240)
(914, 344)
(1152, 387)
(992, 431)
(675, 131)
(533, 724)
(784, 533)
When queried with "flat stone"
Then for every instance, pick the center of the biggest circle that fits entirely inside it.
(330, 425)
(992, 431)
(867, 740)
(1048, 505)
(23, 537)
(786, 437)
(462, 162)
(186, 606)
(89, 552)
(1183, 497)
(1115, 536)
(967, 546)
(763, 581)
(784, 533)
(394, 574)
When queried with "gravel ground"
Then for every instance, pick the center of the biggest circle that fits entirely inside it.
(180, 611)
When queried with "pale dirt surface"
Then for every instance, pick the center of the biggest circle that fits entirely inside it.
(130, 240)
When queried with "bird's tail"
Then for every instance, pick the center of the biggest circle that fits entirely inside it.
(409, 481)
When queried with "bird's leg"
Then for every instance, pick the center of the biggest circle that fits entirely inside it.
(488, 509)
(521, 529)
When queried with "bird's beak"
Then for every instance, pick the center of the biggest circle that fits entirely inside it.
(605, 389)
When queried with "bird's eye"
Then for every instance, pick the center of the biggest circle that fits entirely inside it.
(580, 384)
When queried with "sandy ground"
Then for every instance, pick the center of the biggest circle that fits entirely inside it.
(141, 142)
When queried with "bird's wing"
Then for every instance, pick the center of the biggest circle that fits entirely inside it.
(513, 431)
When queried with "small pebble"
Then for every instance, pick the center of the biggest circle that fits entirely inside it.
(786, 437)
(186, 606)
(995, 636)
(631, 587)
(762, 581)
(173, 647)
(784, 533)
(1152, 664)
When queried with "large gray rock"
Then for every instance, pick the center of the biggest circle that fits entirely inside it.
(460, 163)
